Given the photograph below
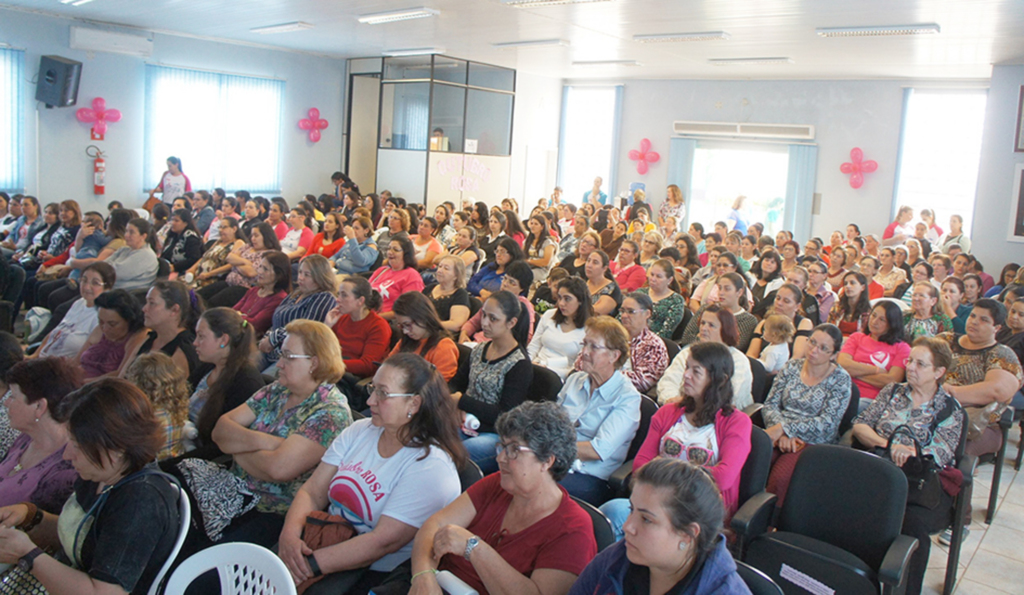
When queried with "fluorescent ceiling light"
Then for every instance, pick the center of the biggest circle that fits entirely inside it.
(283, 28)
(733, 61)
(412, 52)
(606, 63)
(532, 3)
(534, 43)
(927, 29)
(703, 36)
(379, 18)
(80, 2)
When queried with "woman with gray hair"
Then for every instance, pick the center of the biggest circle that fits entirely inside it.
(516, 531)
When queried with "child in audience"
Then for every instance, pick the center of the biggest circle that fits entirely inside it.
(778, 330)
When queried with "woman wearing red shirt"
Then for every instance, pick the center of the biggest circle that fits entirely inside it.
(330, 240)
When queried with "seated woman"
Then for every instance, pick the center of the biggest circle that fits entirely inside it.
(495, 232)
(629, 275)
(875, 358)
(517, 280)
(924, 320)
(299, 238)
(113, 436)
(539, 550)
(648, 356)
(934, 420)
(853, 306)
(717, 325)
(576, 263)
(449, 295)
(768, 274)
(277, 436)
(167, 388)
(398, 274)
(411, 445)
(706, 293)
(952, 304)
(67, 339)
(312, 299)
(426, 246)
(465, 248)
(213, 266)
(423, 334)
(497, 378)
(556, 342)
(10, 354)
(273, 284)
(170, 313)
(226, 378)
(34, 470)
(613, 236)
(669, 306)
(226, 207)
(364, 337)
(539, 248)
(136, 263)
(806, 404)
(605, 407)
(359, 252)
(702, 429)
(972, 289)
(672, 537)
(731, 294)
(605, 295)
(183, 246)
(787, 303)
(331, 239)
(889, 276)
(488, 279)
(120, 331)
(242, 275)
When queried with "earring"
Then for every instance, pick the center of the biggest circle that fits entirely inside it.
(223, 346)
(408, 415)
(682, 545)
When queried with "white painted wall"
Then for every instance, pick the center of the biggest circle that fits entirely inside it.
(535, 125)
(56, 165)
(995, 176)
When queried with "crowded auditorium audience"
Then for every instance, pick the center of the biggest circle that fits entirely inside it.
(400, 351)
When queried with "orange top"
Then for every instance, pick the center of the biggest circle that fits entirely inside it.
(444, 356)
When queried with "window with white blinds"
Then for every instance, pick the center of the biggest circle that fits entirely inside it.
(11, 124)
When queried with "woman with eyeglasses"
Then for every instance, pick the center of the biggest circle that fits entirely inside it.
(806, 404)
(576, 263)
(627, 272)
(488, 280)
(68, 337)
(925, 319)
(787, 303)
(702, 427)
(706, 293)
(423, 334)
(648, 356)
(213, 265)
(649, 248)
(517, 280)
(556, 342)
(669, 306)
(516, 531)
(411, 446)
(312, 299)
(278, 436)
(875, 358)
(928, 414)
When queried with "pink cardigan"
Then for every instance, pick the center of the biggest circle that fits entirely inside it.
(629, 278)
(733, 432)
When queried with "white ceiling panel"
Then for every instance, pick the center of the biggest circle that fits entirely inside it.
(974, 33)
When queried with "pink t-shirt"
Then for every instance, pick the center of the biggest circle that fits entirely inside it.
(391, 284)
(865, 350)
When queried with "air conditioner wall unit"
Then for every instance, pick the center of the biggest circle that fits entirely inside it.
(98, 40)
(744, 130)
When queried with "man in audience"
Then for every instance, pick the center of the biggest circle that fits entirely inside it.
(817, 287)
(869, 268)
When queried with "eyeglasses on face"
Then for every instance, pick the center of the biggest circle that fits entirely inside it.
(511, 450)
(379, 392)
(588, 346)
(812, 344)
(288, 355)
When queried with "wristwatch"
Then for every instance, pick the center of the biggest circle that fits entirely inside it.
(25, 562)
(471, 544)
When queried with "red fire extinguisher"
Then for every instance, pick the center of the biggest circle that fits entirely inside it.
(99, 169)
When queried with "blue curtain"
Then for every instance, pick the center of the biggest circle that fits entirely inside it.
(803, 170)
(11, 124)
(680, 169)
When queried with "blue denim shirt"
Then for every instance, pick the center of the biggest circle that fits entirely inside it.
(607, 418)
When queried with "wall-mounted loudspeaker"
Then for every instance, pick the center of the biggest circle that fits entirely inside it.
(58, 81)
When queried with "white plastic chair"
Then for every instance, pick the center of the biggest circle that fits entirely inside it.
(244, 569)
(185, 515)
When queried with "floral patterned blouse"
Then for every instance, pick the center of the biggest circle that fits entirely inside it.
(810, 413)
(667, 314)
(894, 407)
(914, 327)
(320, 418)
(971, 365)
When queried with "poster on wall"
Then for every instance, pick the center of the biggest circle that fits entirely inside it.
(1018, 140)
(1017, 206)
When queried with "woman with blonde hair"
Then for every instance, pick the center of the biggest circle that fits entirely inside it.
(449, 295)
(166, 385)
(674, 206)
(649, 248)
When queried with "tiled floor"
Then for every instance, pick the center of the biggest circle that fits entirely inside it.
(992, 558)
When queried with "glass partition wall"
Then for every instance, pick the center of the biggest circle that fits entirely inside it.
(445, 130)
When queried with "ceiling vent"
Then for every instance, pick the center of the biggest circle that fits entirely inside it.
(97, 40)
(745, 130)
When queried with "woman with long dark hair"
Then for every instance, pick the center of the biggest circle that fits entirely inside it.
(170, 313)
(556, 342)
(183, 246)
(539, 248)
(850, 313)
(423, 334)
(243, 261)
(488, 279)
(876, 357)
(398, 274)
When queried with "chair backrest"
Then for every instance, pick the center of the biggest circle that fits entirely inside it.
(163, 268)
(603, 532)
(648, 407)
(544, 386)
(681, 327)
(356, 416)
(758, 582)
(469, 474)
(474, 306)
(848, 498)
(244, 569)
(760, 378)
(672, 347)
(754, 475)
(464, 352)
(851, 409)
(185, 518)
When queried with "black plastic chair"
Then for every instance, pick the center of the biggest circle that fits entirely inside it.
(758, 582)
(677, 334)
(475, 305)
(840, 524)
(469, 474)
(672, 347)
(603, 532)
(163, 268)
(464, 352)
(619, 479)
(754, 475)
(544, 386)
(846, 423)
(760, 379)
(998, 459)
(373, 267)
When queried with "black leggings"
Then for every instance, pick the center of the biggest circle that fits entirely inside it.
(922, 523)
(221, 295)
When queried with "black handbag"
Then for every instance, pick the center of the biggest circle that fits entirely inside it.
(923, 485)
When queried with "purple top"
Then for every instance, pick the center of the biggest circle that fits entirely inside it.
(47, 485)
(103, 357)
